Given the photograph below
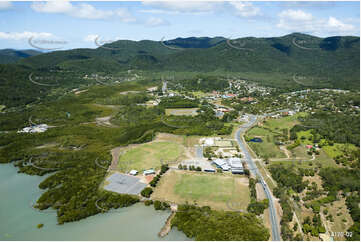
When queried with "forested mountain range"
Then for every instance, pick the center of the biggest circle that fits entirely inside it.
(12, 56)
(291, 60)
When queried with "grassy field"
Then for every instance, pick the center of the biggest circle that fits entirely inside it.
(267, 147)
(219, 191)
(181, 111)
(322, 159)
(199, 94)
(283, 123)
(305, 137)
(149, 155)
(338, 149)
(341, 222)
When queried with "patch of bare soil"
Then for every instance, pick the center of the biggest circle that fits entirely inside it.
(115, 157)
(260, 192)
(49, 145)
(127, 92)
(286, 151)
(104, 121)
(78, 92)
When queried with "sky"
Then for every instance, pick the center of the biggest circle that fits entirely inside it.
(63, 24)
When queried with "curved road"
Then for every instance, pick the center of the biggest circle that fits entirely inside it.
(253, 169)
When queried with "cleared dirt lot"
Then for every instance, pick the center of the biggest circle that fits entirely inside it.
(181, 111)
(219, 191)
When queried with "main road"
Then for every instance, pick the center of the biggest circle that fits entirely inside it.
(253, 169)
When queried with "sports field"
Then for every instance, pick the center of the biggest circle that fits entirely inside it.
(219, 191)
(149, 155)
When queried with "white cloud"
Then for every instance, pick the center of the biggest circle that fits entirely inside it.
(53, 7)
(245, 9)
(5, 5)
(83, 10)
(300, 21)
(90, 37)
(153, 22)
(242, 9)
(124, 15)
(23, 35)
(178, 7)
(296, 15)
(337, 25)
(89, 12)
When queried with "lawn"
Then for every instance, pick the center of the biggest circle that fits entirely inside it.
(199, 94)
(267, 147)
(305, 137)
(301, 152)
(258, 131)
(219, 191)
(283, 123)
(149, 155)
(338, 149)
(322, 159)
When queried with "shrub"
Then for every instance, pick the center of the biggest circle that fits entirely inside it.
(165, 205)
(148, 202)
(164, 168)
(146, 192)
(157, 205)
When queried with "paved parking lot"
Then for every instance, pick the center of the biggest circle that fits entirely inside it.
(124, 184)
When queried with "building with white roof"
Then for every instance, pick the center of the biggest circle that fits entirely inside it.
(219, 162)
(149, 172)
(235, 163)
(35, 129)
(133, 172)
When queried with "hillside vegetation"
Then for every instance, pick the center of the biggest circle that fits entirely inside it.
(280, 62)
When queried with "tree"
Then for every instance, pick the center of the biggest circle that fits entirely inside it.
(164, 168)
(148, 202)
(146, 192)
(295, 227)
(157, 205)
(246, 172)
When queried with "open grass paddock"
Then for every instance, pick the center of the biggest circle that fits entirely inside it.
(149, 155)
(219, 191)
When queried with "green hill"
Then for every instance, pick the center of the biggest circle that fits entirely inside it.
(12, 56)
(291, 61)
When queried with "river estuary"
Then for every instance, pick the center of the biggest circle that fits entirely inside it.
(19, 221)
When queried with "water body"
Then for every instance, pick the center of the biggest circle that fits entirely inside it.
(18, 221)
